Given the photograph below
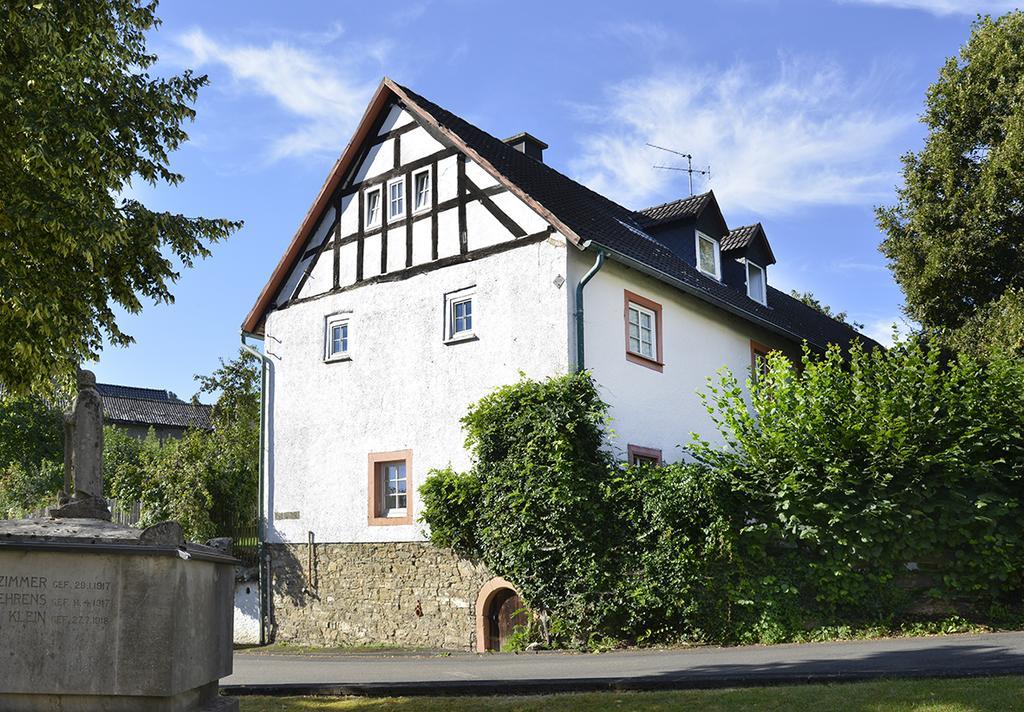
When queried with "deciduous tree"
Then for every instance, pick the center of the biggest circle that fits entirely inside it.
(81, 119)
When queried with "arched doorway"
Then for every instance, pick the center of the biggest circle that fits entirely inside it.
(499, 609)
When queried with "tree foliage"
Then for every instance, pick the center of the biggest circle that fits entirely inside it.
(31, 451)
(868, 488)
(206, 481)
(814, 303)
(81, 118)
(954, 236)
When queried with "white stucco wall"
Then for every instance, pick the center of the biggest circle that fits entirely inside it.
(247, 612)
(404, 387)
(652, 409)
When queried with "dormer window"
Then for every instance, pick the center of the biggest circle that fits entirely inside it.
(708, 259)
(756, 287)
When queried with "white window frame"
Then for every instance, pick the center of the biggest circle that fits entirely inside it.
(450, 300)
(393, 512)
(764, 281)
(718, 258)
(400, 182)
(654, 356)
(415, 194)
(368, 223)
(337, 320)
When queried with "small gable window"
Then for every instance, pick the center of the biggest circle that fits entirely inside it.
(336, 339)
(421, 190)
(707, 256)
(756, 288)
(372, 207)
(459, 316)
(396, 199)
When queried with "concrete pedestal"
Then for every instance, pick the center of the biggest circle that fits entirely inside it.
(95, 616)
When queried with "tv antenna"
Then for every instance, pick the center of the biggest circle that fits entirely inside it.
(689, 170)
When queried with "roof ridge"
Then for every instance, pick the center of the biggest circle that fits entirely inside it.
(701, 196)
(544, 166)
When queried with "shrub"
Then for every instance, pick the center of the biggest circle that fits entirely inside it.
(847, 491)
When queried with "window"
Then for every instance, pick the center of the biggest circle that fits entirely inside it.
(396, 199)
(758, 359)
(756, 283)
(372, 208)
(643, 455)
(643, 331)
(421, 190)
(390, 487)
(459, 321)
(707, 256)
(336, 341)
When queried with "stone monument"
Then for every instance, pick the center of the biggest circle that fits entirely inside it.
(97, 616)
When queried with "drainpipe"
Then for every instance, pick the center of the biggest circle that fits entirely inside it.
(598, 263)
(260, 528)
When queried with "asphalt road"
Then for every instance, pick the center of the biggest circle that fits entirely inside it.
(465, 673)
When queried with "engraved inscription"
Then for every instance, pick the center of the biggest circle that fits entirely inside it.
(36, 600)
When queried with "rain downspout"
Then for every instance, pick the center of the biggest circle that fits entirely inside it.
(260, 528)
(598, 263)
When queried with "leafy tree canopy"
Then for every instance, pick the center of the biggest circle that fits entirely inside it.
(814, 303)
(80, 119)
(954, 236)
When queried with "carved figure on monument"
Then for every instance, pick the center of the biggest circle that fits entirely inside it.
(83, 455)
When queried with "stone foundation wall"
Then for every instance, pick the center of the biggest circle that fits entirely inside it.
(405, 594)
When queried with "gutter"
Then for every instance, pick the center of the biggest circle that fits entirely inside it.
(700, 294)
(264, 570)
(598, 264)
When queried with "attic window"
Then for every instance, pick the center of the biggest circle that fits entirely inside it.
(755, 282)
(372, 207)
(396, 199)
(421, 190)
(707, 256)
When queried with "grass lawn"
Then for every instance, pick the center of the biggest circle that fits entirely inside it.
(969, 695)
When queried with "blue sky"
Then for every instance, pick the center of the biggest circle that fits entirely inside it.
(802, 109)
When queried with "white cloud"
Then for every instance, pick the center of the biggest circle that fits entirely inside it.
(945, 7)
(806, 136)
(317, 89)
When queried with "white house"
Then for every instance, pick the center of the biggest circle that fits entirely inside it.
(437, 263)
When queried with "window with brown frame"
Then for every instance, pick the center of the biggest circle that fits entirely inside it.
(643, 331)
(643, 455)
(758, 359)
(389, 484)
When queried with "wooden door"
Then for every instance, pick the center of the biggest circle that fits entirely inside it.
(505, 614)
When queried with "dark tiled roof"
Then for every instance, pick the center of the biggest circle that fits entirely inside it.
(127, 405)
(675, 209)
(739, 238)
(110, 389)
(594, 217)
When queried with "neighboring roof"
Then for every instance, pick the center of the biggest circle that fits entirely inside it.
(128, 405)
(110, 389)
(689, 207)
(584, 217)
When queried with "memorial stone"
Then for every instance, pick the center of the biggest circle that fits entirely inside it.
(99, 616)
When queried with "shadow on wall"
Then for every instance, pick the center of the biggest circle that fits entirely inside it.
(289, 580)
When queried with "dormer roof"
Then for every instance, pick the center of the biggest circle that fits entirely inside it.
(690, 208)
(742, 239)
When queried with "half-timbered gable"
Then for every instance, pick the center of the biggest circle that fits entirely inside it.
(412, 201)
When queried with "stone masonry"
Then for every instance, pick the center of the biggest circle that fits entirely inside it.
(409, 594)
